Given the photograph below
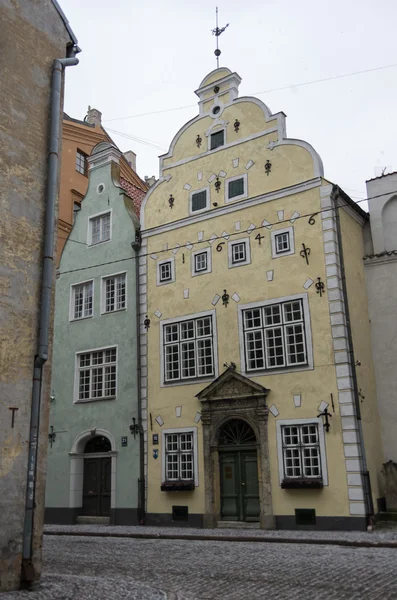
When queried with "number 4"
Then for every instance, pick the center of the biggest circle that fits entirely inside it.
(259, 237)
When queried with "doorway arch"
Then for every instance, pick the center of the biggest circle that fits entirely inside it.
(238, 472)
(88, 448)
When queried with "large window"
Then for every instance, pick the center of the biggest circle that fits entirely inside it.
(81, 300)
(114, 293)
(99, 228)
(188, 349)
(179, 456)
(301, 452)
(275, 335)
(96, 374)
(81, 162)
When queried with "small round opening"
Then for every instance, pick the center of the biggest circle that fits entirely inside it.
(100, 188)
(215, 110)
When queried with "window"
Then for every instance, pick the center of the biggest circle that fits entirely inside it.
(301, 451)
(282, 242)
(217, 139)
(179, 456)
(199, 200)
(236, 187)
(188, 349)
(81, 300)
(96, 374)
(99, 227)
(276, 335)
(239, 252)
(165, 271)
(201, 262)
(114, 293)
(81, 162)
(76, 209)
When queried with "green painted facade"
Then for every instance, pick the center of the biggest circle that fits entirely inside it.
(78, 421)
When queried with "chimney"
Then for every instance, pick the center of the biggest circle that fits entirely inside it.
(150, 180)
(94, 116)
(130, 157)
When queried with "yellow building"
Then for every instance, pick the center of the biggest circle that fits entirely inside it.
(252, 403)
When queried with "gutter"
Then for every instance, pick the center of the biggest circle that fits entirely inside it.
(28, 571)
(369, 507)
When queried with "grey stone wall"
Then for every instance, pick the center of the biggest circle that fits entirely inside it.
(32, 36)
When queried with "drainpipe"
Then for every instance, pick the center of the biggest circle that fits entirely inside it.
(369, 507)
(28, 571)
(141, 483)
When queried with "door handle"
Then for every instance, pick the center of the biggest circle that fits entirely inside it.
(242, 483)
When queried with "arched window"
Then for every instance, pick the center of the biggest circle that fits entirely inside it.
(236, 432)
(389, 224)
(99, 443)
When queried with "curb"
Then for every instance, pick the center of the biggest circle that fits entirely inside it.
(227, 538)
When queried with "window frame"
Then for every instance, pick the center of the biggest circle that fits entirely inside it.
(206, 251)
(280, 423)
(85, 156)
(178, 430)
(192, 380)
(103, 293)
(76, 399)
(274, 234)
(308, 336)
(243, 176)
(171, 260)
(208, 197)
(89, 228)
(214, 133)
(72, 300)
(230, 245)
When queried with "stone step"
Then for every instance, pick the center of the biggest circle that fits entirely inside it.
(84, 520)
(237, 525)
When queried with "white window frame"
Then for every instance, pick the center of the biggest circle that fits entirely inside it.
(321, 438)
(76, 399)
(243, 176)
(230, 245)
(162, 262)
(89, 228)
(178, 430)
(194, 380)
(206, 251)
(217, 130)
(85, 162)
(308, 336)
(72, 300)
(291, 250)
(197, 212)
(103, 293)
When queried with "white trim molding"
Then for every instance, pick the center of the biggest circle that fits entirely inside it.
(178, 430)
(321, 439)
(244, 177)
(291, 242)
(103, 293)
(170, 260)
(72, 300)
(308, 336)
(247, 259)
(208, 269)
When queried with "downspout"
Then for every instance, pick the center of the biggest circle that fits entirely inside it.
(28, 571)
(141, 484)
(369, 507)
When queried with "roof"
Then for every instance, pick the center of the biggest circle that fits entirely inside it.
(381, 176)
(351, 202)
(134, 193)
(65, 21)
(69, 118)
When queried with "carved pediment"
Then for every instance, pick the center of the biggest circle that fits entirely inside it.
(231, 384)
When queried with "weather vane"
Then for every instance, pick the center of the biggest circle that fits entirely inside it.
(217, 32)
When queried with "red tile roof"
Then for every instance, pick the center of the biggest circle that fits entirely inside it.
(134, 193)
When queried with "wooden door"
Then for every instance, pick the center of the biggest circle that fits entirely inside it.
(97, 486)
(239, 486)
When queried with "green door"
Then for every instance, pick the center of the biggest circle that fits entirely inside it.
(239, 472)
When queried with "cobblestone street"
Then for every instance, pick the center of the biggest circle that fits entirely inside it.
(131, 569)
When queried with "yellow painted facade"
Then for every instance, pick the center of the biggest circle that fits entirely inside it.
(282, 196)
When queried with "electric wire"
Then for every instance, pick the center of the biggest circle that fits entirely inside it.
(211, 240)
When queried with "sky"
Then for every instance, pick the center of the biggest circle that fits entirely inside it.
(149, 57)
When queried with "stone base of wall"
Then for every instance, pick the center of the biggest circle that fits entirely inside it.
(323, 523)
(124, 516)
(162, 519)
(68, 516)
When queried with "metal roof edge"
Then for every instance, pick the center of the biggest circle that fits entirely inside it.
(65, 21)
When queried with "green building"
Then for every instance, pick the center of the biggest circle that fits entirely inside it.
(95, 433)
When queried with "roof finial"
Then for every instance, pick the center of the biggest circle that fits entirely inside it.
(217, 32)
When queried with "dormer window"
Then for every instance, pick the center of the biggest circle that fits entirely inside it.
(217, 139)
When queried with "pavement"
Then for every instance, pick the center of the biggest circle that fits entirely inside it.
(382, 538)
(109, 568)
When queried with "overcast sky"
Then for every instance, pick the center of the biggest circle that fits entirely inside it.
(148, 56)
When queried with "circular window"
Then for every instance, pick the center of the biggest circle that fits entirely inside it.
(215, 110)
(100, 188)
